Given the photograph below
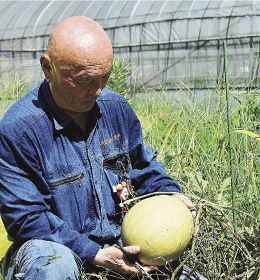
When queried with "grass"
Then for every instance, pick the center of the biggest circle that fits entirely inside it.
(11, 89)
(192, 140)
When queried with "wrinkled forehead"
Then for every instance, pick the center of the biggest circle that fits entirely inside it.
(92, 56)
(93, 66)
(83, 57)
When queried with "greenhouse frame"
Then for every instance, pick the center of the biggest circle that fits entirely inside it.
(175, 43)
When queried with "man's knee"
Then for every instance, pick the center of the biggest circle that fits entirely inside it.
(46, 260)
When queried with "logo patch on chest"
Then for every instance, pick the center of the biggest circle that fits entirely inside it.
(107, 141)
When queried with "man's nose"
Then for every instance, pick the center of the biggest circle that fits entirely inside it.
(95, 91)
(96, 88)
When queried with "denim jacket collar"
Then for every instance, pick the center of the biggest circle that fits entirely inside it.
(61, 120)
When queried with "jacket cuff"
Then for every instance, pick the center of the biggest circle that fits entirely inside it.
(173, 188)
(87, 249)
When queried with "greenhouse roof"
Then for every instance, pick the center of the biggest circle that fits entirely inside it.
(21, 19)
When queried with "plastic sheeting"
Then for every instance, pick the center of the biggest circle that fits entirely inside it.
(166, 41)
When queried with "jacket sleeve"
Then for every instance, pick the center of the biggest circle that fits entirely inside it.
(25, 201)
(148, 174)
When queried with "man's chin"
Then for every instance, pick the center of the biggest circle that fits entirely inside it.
(86, 108)
(90, 107)
(81, 110)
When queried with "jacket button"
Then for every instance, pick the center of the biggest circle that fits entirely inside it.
(81, 231)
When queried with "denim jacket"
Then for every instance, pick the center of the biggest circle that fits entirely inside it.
(56, 183)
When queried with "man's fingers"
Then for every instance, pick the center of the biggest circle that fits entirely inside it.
(150, 268)
(144, 270)
(188, 203)
(185, 199)
(193, 212)
(136, 267)
(133, 250)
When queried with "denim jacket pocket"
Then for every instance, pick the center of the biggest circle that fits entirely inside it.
(67, 180)
(119, 163)
(67, 193)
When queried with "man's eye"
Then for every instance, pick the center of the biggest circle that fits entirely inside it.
(84, 80)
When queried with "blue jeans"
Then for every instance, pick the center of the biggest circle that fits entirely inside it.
(40, 259)
(46, 260)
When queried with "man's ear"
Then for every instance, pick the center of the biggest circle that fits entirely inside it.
(46, 66)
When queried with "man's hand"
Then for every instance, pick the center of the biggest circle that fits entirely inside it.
(114, 259)
(188, 203)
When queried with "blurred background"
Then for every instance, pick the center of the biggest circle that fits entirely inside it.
(176, 43)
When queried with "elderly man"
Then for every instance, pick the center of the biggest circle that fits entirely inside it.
(64, 147)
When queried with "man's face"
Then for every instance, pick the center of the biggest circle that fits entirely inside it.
(76, 85)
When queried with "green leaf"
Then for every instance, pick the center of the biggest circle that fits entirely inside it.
(248, 133)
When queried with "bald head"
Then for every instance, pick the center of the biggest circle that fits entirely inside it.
(78, 37)
(78, 63)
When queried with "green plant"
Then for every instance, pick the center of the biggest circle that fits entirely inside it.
(119, 77)
(192, 141)
(230, 146)
(12, 89)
